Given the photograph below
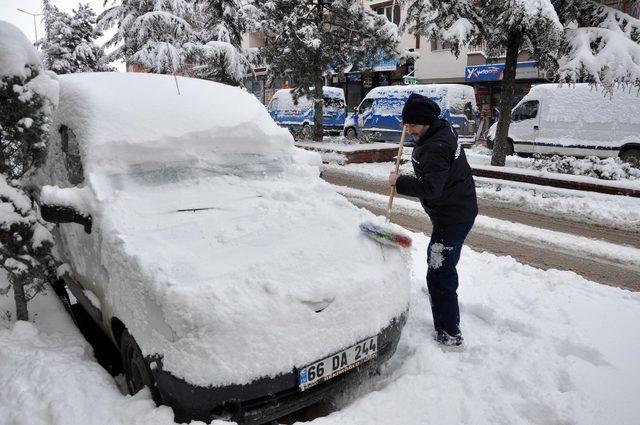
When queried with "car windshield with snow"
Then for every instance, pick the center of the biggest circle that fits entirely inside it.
(234, 281)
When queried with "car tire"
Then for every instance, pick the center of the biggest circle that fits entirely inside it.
(351, 133)
(307, 132)
(136, 370)
(631, 156)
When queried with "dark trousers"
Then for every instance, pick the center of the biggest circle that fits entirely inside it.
(442, 277)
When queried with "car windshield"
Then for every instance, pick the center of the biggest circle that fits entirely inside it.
(153, 174)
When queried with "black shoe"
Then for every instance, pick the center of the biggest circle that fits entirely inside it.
(448, 340)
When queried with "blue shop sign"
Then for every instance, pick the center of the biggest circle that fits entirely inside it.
(493, 72)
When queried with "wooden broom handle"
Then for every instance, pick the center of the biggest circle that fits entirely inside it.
(398, 158)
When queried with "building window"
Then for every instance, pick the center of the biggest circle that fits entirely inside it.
(439, 45)
(390, 10)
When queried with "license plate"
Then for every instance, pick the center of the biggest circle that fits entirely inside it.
(339, 363)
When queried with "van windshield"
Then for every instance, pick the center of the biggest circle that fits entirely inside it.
(333, 104)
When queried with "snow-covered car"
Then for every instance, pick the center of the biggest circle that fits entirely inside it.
(577, 120)
(234, 281)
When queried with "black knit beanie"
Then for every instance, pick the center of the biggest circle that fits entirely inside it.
(420, 110)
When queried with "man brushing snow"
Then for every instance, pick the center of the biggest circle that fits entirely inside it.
(445, 187)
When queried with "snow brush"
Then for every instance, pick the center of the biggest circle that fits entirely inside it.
(384, 234)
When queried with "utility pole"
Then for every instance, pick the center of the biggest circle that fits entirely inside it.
(35, 27)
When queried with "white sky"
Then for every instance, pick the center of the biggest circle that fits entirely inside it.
(9, 12)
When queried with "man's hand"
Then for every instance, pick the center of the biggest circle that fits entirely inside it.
(393, 177)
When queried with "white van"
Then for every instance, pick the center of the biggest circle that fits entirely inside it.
(577, 120)
(228, 274)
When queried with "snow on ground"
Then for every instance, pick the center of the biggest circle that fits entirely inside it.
(541, 347)
(49, 376)
(620, 212)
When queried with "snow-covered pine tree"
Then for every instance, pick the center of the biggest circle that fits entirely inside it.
(153, 35)
(68, 45)
(28, 96)
(218, 52)
(306, 38)
(574, 40)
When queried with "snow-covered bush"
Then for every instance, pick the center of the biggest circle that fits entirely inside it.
(28, 95)
(68, 45)
(592, 166)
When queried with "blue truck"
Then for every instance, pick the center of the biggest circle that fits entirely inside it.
(299, 118)
(379, 115)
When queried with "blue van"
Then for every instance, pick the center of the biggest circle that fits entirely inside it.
(379, 115)
(300, 117)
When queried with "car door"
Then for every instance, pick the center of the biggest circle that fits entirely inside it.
(87, 276)
(525, 126)
(365, 114)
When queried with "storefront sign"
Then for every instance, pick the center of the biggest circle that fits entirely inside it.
(386, 65)
(493, 72)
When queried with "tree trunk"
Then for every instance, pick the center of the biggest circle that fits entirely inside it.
(318, 109)
(318, 83)
(501, 144)
(20, 298)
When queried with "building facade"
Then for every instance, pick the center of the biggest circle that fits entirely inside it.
(435, 64)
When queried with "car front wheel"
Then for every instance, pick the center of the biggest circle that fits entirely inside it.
(351, 133)
(631, 156)
(136, 370)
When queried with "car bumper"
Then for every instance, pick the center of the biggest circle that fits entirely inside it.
(265, 399)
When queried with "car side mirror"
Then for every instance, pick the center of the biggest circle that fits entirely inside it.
(64, 206)
(63, 214)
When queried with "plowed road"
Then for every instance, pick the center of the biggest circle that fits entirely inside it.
(604, 270)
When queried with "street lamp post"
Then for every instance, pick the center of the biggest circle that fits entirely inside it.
(35, 27)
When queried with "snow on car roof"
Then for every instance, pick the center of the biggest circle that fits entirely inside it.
(109, 110)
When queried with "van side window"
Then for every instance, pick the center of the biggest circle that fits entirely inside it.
(526, 111)
(71, 152)
(365, 106)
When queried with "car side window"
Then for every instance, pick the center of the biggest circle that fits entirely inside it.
(526, 111)
(273, 105)
(71, 151)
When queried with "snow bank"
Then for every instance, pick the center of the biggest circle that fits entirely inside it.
(15, 51)
(48, 375)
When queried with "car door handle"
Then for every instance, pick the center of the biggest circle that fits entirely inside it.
(535, 127)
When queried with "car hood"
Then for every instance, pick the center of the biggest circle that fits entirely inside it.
(254, 275)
